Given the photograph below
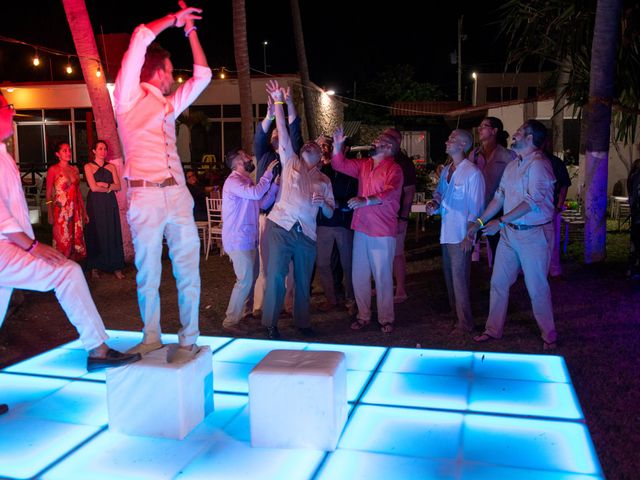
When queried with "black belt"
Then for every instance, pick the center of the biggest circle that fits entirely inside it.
(525, 227)
(167, 182)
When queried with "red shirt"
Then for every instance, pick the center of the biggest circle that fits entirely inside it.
(383, 181)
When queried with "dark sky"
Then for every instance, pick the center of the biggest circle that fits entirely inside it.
(347, 41)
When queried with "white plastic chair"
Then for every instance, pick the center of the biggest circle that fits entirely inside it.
(214, 224)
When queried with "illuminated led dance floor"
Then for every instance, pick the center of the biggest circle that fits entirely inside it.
(423, 414)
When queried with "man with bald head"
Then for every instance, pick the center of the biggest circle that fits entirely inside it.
(459, 199)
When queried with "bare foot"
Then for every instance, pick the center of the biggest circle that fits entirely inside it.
(119, 275)
(95, 274)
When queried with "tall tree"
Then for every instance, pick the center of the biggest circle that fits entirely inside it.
(601, 93)
(244, 74)
(308, 90)
(85, 43)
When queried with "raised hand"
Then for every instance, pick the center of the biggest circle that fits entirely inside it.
(288, 97)
(186, 16)
(338, 139)
(271, 111)
(274, 91)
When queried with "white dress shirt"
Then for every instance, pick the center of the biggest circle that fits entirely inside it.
(292, 203)
(461, 200)
(14, 213)
(529, 179)
(147, 119)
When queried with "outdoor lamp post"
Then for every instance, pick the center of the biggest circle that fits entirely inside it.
(474, 75)
(264, 55)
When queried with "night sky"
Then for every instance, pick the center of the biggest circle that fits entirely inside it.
(346, 41)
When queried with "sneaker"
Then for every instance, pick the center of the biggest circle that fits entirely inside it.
(112, 358)
(182, 354)
(144, 348)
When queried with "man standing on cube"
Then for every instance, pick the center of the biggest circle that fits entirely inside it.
(160, 204)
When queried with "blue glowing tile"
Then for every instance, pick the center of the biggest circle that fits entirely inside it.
(475, 471)
(29, 445)
(214, 342)
(226, 409)
(252, 351)
(537, 368)
(83, 403)
(227, 458)
(356, 380)
(118, 339)
(358, 357)
(18, 391)
(430, 362)
(60, 362)
(112, 455)
(403, 431)
(529, 443)
(514, 397)
(347, 465)
(231, 377)
(412, 390)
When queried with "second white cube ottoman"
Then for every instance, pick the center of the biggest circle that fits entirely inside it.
(298, 399)
(159, 399)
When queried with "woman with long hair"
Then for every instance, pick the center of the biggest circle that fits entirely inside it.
(103, 234)
(66, 212)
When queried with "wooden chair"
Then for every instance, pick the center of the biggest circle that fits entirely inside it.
(214, 224)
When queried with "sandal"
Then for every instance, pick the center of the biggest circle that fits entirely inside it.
(359, 324)
(386, 327)
(483, 338)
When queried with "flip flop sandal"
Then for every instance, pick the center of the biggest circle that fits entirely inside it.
(359, 324)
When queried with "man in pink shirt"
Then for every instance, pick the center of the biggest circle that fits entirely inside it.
(160, 204)
(28, 264)
(375, 222)
(241, 204)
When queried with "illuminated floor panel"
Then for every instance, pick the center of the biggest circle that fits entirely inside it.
(414, 413)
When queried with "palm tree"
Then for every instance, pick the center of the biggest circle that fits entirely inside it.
(85, 43)
(244, 74)
(601, 93)
(307, 89)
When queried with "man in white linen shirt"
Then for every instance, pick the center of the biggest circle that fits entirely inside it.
(159, 202)
(28, 264)
(291, 233)
(525, 194)
(459, 199)
(241, 203)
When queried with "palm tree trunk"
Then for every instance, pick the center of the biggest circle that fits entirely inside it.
(244, 74)
(307, 89)
(601, 89)
(85, 43)
(560, 103)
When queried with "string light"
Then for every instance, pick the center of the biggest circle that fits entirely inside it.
(222, 75)
(69, 69)
(98, 72)
(180, 79)
(36, 60)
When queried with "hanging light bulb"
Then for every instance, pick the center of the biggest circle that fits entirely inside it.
(180, 79)
(36, 60)
(98, 72)
(69, 69)
(222, 74)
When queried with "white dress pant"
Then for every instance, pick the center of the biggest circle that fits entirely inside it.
(154, 213)
(530, 250)
(19, 269)
(245, 266)
(373, 256)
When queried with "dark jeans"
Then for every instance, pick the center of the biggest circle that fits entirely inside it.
(285, 246)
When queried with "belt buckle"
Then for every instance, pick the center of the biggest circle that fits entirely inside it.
(297, 227)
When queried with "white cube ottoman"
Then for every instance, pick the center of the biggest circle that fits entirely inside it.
(298, 399)
(159, 399)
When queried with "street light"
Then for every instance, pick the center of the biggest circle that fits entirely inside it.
(264, 55)
(474, 75)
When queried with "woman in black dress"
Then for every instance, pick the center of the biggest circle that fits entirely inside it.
(103, 234)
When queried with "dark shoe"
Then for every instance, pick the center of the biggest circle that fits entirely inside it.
(236, 329)
(113, 358)
(4, 408)
(273, 333)
(307, 331)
